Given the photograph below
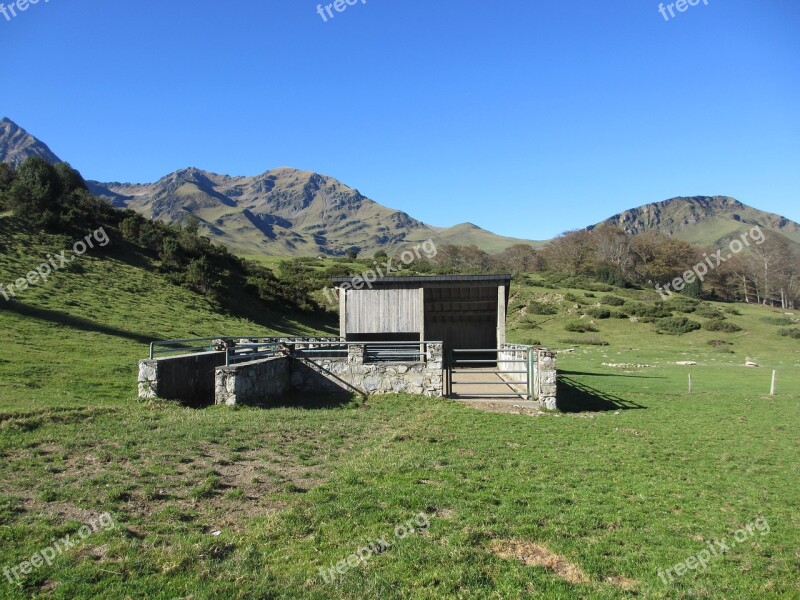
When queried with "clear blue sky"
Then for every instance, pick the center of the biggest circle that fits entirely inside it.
(523, 116)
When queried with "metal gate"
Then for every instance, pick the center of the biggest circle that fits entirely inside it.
(490, 373)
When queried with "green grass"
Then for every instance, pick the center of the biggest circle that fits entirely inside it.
(633, 476)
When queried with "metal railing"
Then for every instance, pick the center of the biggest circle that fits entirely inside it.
(236, 348)
(247, 348)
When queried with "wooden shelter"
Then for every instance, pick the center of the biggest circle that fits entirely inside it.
(463, 311)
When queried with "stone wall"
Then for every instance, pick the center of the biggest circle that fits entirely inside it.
(188, 378)
(199, 379)
(255, 382)
(544, 377)
(260, 381)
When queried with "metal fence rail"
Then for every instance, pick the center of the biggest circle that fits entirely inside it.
(247, 348)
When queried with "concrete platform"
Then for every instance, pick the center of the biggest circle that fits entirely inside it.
(465, 388)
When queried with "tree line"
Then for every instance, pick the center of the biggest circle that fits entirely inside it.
(766, 272)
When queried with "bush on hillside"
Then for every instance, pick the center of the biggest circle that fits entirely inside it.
(693, 289)
(683, 304)
(599, 313)
(732, 310)
(658, 310)
(676, 325)
(612, 300)
(589, 340)
(790, 332)
(610, 276)
(781, 320)
(709, 312)
(717, 343)
(541, 308)
(721, 326)
(581, 327)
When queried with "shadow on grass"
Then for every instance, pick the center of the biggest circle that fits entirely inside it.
(575, 397)
(68, 320)
(306, 401)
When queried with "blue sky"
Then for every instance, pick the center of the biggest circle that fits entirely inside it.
(523, 116)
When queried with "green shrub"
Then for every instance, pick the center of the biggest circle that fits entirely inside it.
(570, 297)
(580, 327)
(721, 326)
(717, 343)
(731, 310)
(541, 308)
(709, 312)
(600, 287)
(620, 315)
(781, 320)
(599, 313)
(589, 340)
(790, 332)
(608, 275)
(612, 300)
(683, 304)
(658, 310)
(676, 325)
(589, 295)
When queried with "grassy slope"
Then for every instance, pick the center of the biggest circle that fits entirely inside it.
(621, 492)
(78, 337)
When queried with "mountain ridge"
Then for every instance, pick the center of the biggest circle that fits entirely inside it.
(295, 212)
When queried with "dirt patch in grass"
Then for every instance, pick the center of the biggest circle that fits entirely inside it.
(623, 582)
(534, 555)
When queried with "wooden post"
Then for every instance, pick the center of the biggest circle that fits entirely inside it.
(772, 387)
(690, 383)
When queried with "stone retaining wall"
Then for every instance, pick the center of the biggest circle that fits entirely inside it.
(258, 381)
(188, 378)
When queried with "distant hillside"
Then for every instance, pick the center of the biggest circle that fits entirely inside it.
(16, 145)
(284, 211)
(703, 220)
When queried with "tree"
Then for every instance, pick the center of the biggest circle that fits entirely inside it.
(36, 192)
(612, 248)
(519, 258)
(353, 252)
(571, 252)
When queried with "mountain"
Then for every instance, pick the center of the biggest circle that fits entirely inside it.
(283, 211)
(702, 220)
(286, 211)
(16, 145)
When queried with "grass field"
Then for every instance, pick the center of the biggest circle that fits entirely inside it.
(633, 476)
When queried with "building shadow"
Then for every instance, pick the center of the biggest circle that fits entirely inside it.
(576, 397)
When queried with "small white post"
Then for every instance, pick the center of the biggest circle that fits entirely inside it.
(690, 383)
(772, 388)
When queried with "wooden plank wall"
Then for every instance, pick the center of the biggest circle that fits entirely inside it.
(384, 311)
